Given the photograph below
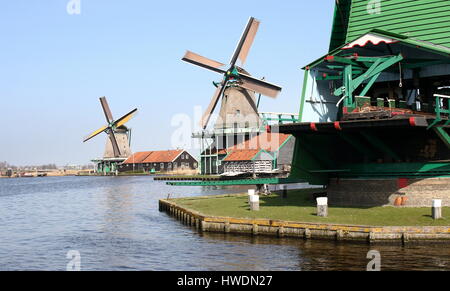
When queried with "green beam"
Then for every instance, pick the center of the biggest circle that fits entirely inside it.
(377, 68)
(443, 135)
(267, 181)
(343, 60)
(369, 84)
(379, 65)
(303, 97)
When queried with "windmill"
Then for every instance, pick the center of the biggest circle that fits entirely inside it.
(238, 118)
(237, 87)
(117, 145)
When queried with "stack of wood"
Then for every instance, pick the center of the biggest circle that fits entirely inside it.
(375, 112)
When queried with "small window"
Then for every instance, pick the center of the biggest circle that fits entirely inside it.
(161, 165)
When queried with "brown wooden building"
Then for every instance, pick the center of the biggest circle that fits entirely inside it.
(159, 161)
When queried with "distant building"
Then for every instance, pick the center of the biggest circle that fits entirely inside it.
(261, 154)
(159, 161)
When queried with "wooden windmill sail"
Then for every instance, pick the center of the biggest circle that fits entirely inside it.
(237, 87)
(117, 144)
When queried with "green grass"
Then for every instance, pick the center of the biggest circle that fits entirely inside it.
(300, 206)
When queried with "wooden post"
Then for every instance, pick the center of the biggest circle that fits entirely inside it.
(322, 207)
(285, 192)
(437, 209)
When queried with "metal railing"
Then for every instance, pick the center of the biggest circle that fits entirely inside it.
(442, 113)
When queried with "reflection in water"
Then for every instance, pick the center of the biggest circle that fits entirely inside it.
(314, 255)
(115, 224)
(118, 211)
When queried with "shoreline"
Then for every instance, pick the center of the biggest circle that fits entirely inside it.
(302, 230)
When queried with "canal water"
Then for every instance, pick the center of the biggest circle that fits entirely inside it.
(114, 224)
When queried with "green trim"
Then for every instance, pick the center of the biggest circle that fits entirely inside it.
(443, 135)
(351, 84)
(401, 38)
(269, 181)
(284, 143)
(339, 29)
(302, 101)
(440, 111)
(261, 152)
(226, 156)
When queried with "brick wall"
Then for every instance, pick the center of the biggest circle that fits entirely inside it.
(385, 192)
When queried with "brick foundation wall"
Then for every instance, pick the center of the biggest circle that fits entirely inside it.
(386, 192)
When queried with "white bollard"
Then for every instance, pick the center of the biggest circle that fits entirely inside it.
(254, 202)
(322, 207)
(437, 209)
(251, 192)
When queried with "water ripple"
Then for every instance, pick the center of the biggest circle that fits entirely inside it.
(115, 225)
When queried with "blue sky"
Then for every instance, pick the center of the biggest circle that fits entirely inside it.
(54, 66)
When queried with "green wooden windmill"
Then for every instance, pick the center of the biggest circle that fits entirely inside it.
(375, 109)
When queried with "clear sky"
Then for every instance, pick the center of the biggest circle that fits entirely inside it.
(54, 66)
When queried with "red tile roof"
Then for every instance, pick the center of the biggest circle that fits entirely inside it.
(154, 157)
(137, 158)
(163, 156)
(270, 142)
(241, 155)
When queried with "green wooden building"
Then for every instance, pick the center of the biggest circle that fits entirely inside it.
(376, 106)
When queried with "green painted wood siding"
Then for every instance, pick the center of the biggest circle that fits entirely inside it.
(340, 22)
(427, 20)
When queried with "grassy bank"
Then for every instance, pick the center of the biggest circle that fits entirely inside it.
(299, 206)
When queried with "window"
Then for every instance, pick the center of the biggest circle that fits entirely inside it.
(161, 166)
